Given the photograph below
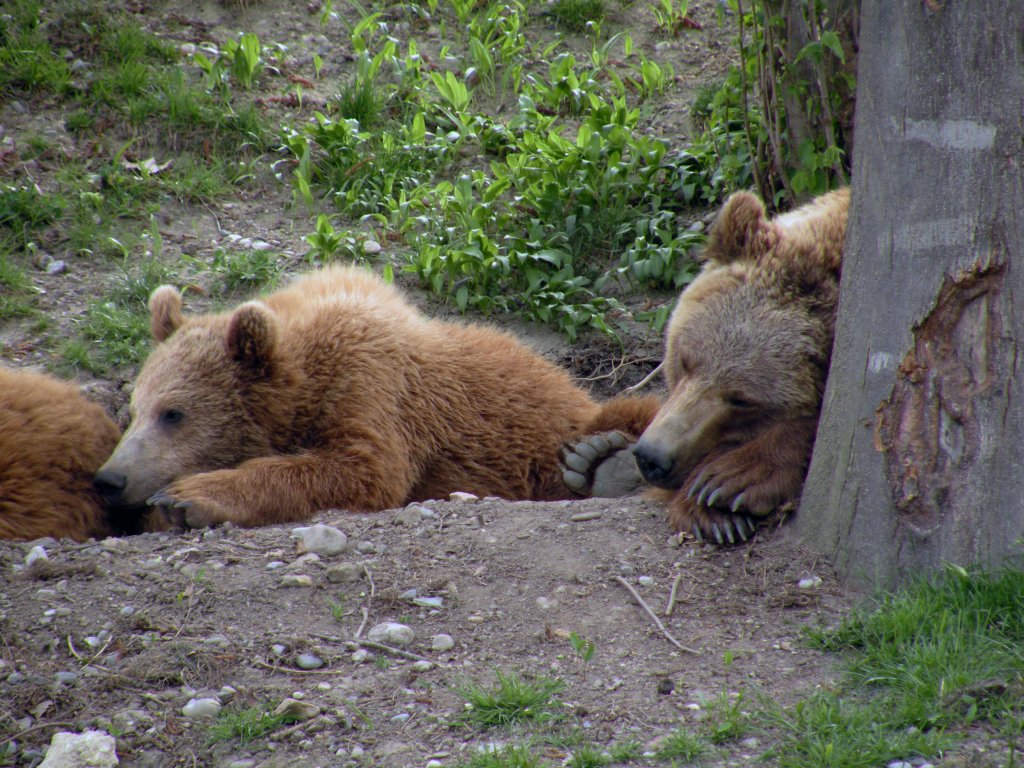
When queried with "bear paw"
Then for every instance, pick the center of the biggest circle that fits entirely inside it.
(711, 525)
(601, 466)
(181, 513)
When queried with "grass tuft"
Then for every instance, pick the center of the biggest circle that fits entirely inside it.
(511, 700)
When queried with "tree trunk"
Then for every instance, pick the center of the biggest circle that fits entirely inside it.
(919, 458)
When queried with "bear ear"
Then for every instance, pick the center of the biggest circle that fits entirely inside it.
(165, 316)
(741, 231)
(252, 337)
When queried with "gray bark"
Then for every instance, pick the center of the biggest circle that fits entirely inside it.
(919, 458)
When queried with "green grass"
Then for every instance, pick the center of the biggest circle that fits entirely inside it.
(512, 699)
(509, 756)
(110, 336)
(245, 725)
(17, 294)
(574, 15)
(681, 744)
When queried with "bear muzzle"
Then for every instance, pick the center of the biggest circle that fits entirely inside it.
(110, 485)
(657, 464)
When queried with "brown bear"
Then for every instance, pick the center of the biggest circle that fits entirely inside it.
(52, 441)
(746, 357)
(337, 393)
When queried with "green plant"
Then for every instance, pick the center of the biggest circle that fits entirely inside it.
(584, 649)
(512, 699)
(588, 756)
(680, 744)
(727, 720)
(575, 15)
(670, 15)
(245, 725)
(509, 756)
(16, 289)
(24, 210)
(109, 336)
(245, 270)
(626, 751)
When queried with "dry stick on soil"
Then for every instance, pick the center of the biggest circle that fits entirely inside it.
(654, 618)
(369, 599)
(392, 651)
(645, 380)
(672, 596)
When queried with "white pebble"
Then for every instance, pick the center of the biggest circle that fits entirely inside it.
(371, 247)
(296, 580)
(201, 708)
(94, 749)
(309, 661)
(463, 497)
(441, 642)
(360, 655)
(36, 553)
(645, 581)
(391, 633)
(321, 539)
(811, 582)
(422, 666)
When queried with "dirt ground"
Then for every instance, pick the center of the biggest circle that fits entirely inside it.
(121, 634)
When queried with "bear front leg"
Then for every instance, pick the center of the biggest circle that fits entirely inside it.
(753, 479)
(284, 489)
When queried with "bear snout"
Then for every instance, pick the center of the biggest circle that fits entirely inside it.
(656, 464)
(110, 485)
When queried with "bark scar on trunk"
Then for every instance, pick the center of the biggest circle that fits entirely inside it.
(928, 428)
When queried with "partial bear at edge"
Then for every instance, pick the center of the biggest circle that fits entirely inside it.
(52, 441)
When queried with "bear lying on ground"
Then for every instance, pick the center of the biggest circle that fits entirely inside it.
(336, 393)
(52, 441)
(746, 357)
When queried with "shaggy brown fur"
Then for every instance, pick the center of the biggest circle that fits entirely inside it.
(747, 354)
(52, 441)
(336, 393)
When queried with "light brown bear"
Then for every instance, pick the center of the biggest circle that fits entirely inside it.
(746, 357)
(337, 393)
(52, 441)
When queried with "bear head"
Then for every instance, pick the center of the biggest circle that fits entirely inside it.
(215, 391)
(748, 343)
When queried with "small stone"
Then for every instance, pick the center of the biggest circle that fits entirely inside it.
(356, 752)
(321, 539)
(645, 581)
(56, 267)
(371, 247)
(226, 694)
(273, 565)
(408, 516)
(261, 245)
(899, 764)
(401, 717)
(309, 661)
(91, 749)
(750, 743)
(545, 603)
(462, 496)
(391, 633)
(811, 582)
(247, 762)
(278, 649)
(297, 710)
(434, 764)
(296, 580)
(360, 655)
(344, 573)
(366, 547)
(422, 666)
(424, 512)
(428, 602)
(201, 708)
(36, 553)
(442, 642)
(66, 678)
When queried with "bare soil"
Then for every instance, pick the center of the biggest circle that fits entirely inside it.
(120, 634)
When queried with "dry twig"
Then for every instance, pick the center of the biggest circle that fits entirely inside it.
(654, 618)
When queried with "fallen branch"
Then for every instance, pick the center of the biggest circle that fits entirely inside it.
(391, 651)
(646, 379)
(654, 618)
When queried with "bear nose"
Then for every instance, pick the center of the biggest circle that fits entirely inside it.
(110, 484)
(654, 462)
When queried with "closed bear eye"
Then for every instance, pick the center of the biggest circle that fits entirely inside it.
(172, 416)
(739, 402)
